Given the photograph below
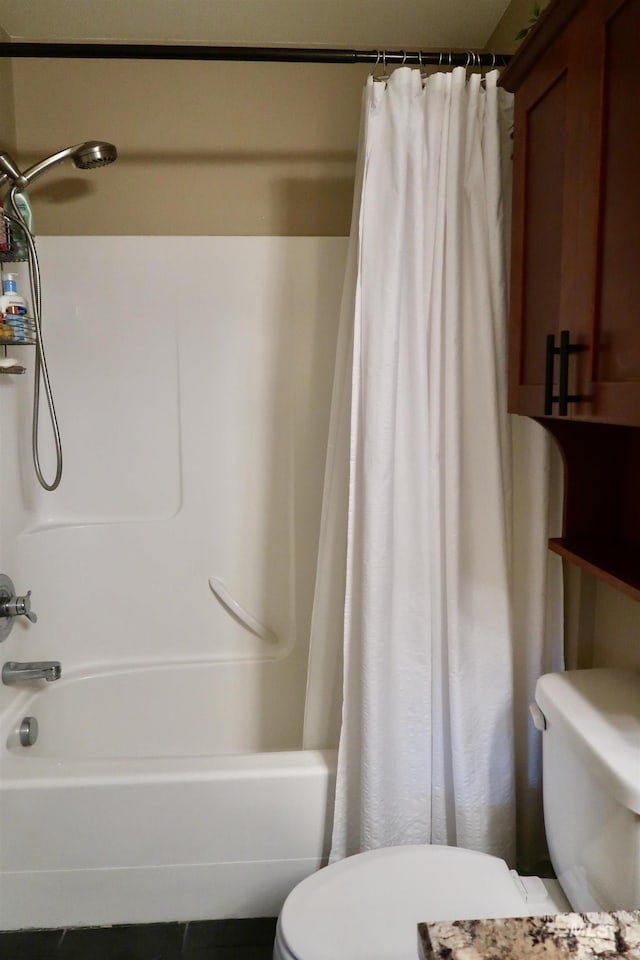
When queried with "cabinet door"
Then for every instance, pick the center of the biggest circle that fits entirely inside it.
(539, 182)
(614, 392)
(576, 220)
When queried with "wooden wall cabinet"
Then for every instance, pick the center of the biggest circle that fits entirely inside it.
(575, 272)
(576, 210)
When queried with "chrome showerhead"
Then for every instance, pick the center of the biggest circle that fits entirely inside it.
(94, 153)
(85, 156)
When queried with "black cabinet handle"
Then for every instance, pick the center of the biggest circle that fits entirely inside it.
(563, 398)
(548, 375)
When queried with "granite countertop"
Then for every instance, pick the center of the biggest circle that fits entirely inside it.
(568, 936)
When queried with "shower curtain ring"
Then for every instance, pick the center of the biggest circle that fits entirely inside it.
(375, 66)
(384, 76)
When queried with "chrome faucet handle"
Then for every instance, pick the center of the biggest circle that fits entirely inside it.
(18, 607)
(12, 606)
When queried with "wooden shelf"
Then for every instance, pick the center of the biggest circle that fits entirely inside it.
(614, 561)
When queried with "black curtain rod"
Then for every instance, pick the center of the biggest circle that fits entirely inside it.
(194, 51)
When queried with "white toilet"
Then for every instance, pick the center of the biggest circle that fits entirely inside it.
(367, 906)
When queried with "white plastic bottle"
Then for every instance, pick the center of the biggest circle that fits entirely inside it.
(11, 303)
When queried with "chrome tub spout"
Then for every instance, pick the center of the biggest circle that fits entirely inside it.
(13, 672)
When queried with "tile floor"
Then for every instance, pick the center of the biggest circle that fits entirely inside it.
(200, 940)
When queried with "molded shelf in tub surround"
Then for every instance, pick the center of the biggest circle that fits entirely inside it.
(567, 936)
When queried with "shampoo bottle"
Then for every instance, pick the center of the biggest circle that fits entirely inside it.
(11, 303)
(17, 241)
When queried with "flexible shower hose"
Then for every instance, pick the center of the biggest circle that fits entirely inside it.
(40, 367)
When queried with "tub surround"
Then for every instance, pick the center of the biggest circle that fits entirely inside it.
(574, 936)
(216, 404)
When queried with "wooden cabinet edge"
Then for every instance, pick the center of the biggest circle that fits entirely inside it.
(550, 25)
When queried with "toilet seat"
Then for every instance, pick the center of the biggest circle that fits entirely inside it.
(367, 906)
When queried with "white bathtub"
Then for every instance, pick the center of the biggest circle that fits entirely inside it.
(139, 803)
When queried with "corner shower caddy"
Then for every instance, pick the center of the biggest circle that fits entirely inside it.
(12, 255)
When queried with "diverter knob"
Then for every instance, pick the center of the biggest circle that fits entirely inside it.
(28, 732)
(11, 606)
(18, 607)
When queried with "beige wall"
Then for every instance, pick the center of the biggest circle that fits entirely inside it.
(205, 148)
(514, 19)
(603, 624)
(7, 118)
(616, 630)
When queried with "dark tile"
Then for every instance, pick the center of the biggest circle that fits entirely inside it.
(35, 944)
(204, 934)
(147, 941)
(262, 951)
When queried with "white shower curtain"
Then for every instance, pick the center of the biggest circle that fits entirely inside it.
(415, 625)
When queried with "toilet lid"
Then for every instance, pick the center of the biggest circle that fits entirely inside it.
(367, 906)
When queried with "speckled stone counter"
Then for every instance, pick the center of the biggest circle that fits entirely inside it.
(568, 936)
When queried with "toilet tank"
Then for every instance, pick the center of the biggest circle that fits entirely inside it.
(591, 785)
